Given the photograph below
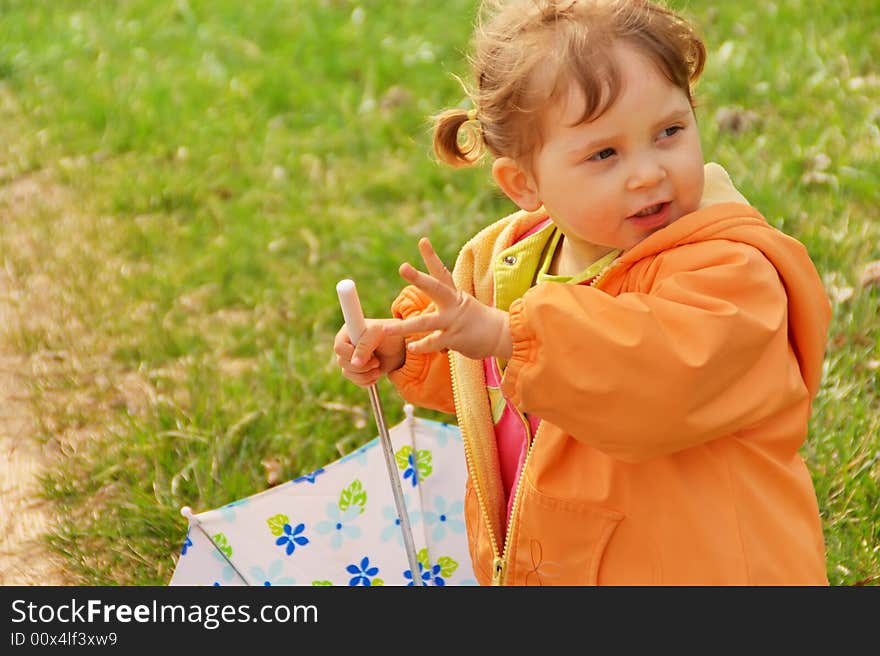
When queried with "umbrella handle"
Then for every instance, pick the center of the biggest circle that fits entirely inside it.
(355, 325)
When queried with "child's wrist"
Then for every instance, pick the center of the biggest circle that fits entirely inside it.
(399, 358)
(504, 346)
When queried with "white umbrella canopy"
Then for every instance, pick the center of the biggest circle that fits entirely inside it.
(339, 524)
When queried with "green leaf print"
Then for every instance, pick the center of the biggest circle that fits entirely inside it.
(276, 524)
(223, 544)
(423, 463)
(422, 460)
(447, 566)
(321, 583)
(402, 457)
(377, 582)
(353, 495)
(422, 557)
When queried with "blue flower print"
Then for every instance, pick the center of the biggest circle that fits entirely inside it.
(186, 545)
(425, 577)
(292, 538)
(446, 432)
(362, 572)
(309, 478)
(392, 525)
(228, 511)
(431, 575)
(412, 471)
(226, 571)
(270, 576)
(416, 465)
(340, 524)
(448, 516)
(434, 575)
(392, 521)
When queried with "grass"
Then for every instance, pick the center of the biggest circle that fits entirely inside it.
(207, 171)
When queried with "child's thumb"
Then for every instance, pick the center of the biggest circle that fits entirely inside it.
(366, 345)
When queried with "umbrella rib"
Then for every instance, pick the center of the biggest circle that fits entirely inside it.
(413, 430)
(195, 522)
(396, 489)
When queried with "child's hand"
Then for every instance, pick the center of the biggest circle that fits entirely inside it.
(461, 322)
(376, 353)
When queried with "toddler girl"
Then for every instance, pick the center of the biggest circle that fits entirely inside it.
(632, 356)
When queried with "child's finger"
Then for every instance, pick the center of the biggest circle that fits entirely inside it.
(442, 295)
(367, 344)
(344, 351)
(427, 344)
(412, 326)
(363, 380)
(435, 265)
(341, 341)
(344, 362)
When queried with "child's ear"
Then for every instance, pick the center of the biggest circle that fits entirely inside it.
(517, 183)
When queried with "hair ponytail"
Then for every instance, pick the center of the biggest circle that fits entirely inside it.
(458, 138)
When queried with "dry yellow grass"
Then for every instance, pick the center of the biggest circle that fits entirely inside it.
(24, 514)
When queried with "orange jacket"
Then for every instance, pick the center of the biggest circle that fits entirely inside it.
(675, 395)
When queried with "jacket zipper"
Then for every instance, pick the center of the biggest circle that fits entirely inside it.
(501, 563)
(472, 469)
(598, 277)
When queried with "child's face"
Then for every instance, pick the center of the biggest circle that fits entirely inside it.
(638, 167)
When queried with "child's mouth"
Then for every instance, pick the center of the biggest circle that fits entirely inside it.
(651, 217)
(650, 210)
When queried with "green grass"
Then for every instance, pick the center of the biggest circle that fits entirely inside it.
(226, 163)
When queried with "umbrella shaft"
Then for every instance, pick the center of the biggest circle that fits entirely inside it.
(388, 451)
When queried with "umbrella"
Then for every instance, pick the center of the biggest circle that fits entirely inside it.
(340, 525)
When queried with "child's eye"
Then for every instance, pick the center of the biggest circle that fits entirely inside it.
(605, 153)
(670, 131)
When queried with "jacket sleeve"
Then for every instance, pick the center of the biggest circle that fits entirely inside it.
(700, 351)
(424, 379)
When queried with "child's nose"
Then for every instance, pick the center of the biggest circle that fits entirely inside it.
(645, 172)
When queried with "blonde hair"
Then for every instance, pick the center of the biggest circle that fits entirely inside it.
(526, 53)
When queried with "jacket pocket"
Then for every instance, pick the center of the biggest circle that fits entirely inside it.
(558, 541)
